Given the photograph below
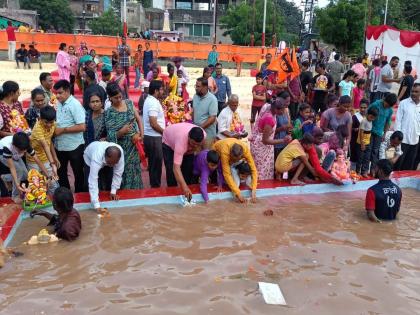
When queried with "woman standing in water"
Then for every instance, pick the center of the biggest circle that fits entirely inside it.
(123, 126)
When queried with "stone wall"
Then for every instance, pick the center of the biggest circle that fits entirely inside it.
(26, 16)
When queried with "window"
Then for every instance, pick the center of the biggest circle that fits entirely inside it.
(183, 5)
(130, 10)
(198, 29)
(206, 30)
(91, 8)
(187, 28)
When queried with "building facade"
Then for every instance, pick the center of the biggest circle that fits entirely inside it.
(84, 11)
(192, 17)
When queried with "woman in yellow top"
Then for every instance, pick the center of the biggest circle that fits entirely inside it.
(173, 80)
(293, 159)
(232, 151)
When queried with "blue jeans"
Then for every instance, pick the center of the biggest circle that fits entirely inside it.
(138, 75)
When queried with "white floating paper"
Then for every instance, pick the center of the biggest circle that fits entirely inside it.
(186, 203)
(272, 293)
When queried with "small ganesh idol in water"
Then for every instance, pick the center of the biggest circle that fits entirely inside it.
(18, 123)
(341, 167)
(36, 191)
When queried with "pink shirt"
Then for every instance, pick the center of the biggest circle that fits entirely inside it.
(176, 137)
(63, 64)
(358, 95)
(360, 70)
(267, 119)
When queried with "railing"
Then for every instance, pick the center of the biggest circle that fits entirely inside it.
(104, 45)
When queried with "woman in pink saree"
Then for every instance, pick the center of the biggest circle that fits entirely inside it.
(63, 62)
(262, 138)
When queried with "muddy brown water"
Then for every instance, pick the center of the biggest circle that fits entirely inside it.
(321, 250)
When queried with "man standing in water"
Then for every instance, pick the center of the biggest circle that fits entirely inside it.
(383, 199)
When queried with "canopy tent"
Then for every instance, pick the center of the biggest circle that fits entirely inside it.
(389, 41)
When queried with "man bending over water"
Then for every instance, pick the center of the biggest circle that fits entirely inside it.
(384, 198)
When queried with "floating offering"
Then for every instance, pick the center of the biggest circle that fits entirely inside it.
(271, 293)
(43, 237)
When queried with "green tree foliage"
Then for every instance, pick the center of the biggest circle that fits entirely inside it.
(106, 24)
(54, 13)
(238, 22)
(341, 24)
(402, 14)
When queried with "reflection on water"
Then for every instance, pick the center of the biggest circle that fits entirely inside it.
(320, 249)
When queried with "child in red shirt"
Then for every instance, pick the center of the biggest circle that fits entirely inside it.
(258, 97)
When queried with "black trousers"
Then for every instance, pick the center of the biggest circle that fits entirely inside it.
(407, 161)
(72, 81)
(186, 167)
(127, 74)
(104, 180)
(220, 106)
(75, 158)
(153, 149)
(372, 150)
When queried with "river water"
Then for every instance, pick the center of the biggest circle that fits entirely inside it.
(321, 250)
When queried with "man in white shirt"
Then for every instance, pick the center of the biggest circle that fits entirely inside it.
(390, 148)
(102, 159)
(408, 122)
(180, 67)
(387, 77)
(225, 118)
(154, 124)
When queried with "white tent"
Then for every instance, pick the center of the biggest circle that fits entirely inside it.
(388, 41)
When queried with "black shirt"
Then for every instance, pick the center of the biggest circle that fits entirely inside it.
(320, 96)
(21, 54)
(305, 79)
(407, 81)
(385, 199)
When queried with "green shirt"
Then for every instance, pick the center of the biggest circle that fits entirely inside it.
(204, 107)
(383, 118)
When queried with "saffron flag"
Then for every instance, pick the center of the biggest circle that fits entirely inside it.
(282, 65)
(295, 64)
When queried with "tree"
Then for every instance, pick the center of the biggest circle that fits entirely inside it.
(107, 24)
(238, 22)
(54, 13)
(341, 24)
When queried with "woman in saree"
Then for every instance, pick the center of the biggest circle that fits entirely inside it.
(123, 126)
(262, 138)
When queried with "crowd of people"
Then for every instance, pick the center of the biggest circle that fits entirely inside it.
(335, 126)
